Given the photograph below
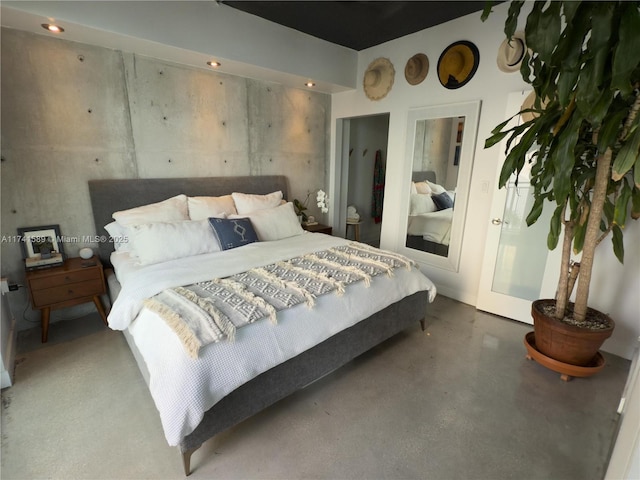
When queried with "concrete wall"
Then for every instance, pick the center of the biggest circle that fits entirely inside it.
(73, 112)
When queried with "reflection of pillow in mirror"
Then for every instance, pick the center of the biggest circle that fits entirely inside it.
(420, 203)
(442, 201)
(423, 188)
(413, 188)
(435, 188)
(452, 195)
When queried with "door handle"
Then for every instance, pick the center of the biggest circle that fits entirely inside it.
(496, 221)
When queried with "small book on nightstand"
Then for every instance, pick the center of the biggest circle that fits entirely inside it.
(37, 262)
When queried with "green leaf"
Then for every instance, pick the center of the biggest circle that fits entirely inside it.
(625, 56)
(608, 134)
(635, 201)
(566, 84)
(579, 232)
(609, 210)
(627, 156)
(600, 108)
(512, 18)
(622, 205)
(543, 29)
(571, 41)
(636, 174)
(563, 158)
(569, 9)
(555, 227)
(504, 124)
(618, 245)
(492, 140)
(525, 69)
(601, 21)
(536, 210)
(487, 10)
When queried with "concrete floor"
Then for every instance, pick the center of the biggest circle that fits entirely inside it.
(457, 402)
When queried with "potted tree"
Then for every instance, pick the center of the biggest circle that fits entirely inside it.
(583, 63)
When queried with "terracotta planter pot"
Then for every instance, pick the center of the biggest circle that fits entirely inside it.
(563, 342)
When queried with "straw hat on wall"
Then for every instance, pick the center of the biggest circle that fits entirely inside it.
(458, 64)
(510, 54)
(529, 103)
(416, 69)
(378, 78)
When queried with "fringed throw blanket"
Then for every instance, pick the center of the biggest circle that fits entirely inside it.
(210, 311)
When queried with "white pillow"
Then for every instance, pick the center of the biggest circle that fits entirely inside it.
(173, 209)
(164, 241)
(201, 208)
(423, 188)
(247, 203)
(435, 188)
(274, 223)
(119, 235)
(413, 188)
(421, 204)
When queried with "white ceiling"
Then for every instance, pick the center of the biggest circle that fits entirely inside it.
(191, 33)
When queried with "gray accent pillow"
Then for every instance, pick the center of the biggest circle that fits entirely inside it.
(233, 232)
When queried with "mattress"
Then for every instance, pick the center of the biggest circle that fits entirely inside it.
(184, 388)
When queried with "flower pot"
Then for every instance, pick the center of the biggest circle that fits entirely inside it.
(567, 343)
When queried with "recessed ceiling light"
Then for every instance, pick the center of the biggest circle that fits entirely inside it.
(310, 84)
(52, 28)
(213, 63)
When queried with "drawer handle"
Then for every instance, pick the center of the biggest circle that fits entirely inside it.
(67, 279)
(70, 292)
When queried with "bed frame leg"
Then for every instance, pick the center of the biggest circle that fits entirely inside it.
(186, 461)
(423, 325)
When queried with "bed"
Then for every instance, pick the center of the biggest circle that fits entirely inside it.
(229, 381)
(430, 214)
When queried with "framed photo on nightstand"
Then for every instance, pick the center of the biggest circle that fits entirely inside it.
(41, 246)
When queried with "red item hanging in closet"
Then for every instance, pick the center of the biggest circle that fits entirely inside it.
(378, 188)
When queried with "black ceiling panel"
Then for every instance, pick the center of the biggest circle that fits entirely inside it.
(358, 25)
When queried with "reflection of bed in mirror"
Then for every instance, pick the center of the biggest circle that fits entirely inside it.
(430, 215)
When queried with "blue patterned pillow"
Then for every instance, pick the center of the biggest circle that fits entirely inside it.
(232, 233)
(442, 201)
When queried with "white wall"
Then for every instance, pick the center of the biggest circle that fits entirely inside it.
(191, 33)
(7, 343)
(617, 294)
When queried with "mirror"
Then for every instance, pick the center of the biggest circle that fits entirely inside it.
(440, 145)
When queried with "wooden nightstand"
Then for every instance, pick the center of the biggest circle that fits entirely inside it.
(318, 228)
(76, 281)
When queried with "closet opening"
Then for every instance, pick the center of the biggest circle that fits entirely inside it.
(362, 183)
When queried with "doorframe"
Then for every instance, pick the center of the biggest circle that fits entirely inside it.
(339, 171)
(498, 303)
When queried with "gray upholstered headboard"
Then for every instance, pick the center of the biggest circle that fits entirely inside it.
(108, 196)
(422, 176)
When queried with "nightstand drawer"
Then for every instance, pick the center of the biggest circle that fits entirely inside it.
(63, 293)
(65, 278)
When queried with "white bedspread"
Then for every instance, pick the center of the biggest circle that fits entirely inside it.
(184, 388)
(432, 226)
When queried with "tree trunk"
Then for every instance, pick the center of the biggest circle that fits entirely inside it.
(562, 295)
(603, 168)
